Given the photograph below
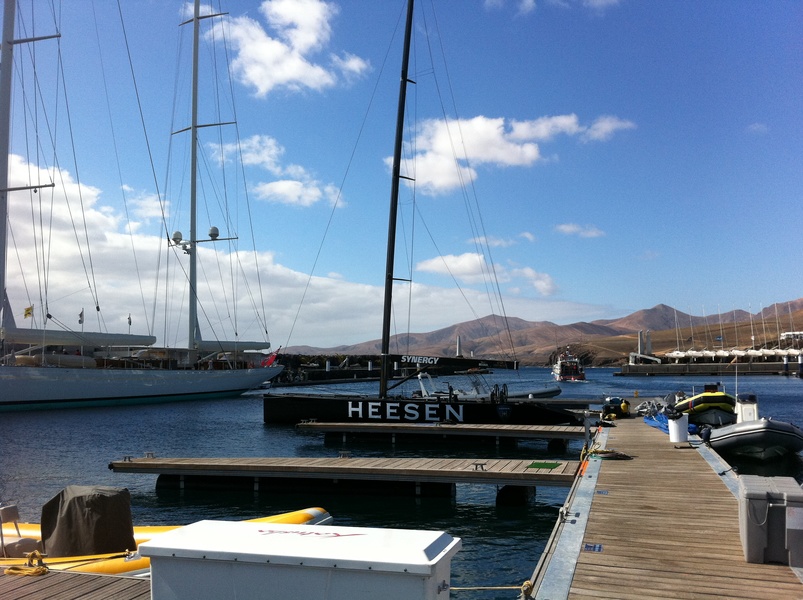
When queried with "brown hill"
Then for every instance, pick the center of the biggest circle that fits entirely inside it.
(602, 342)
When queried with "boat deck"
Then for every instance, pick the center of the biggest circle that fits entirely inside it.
(662, 525)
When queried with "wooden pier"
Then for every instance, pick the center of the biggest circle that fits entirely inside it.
(447, 430)
(268, 473)
(662, 525)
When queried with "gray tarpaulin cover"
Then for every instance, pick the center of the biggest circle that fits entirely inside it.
(84, 520)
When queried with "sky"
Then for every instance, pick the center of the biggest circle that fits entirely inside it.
(607, 155)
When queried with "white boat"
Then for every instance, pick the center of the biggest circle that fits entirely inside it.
(760, 439)
(52, 367)
(568, 368)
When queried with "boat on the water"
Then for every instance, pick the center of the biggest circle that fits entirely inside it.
(56, 366)
(568, 368)
(97, 522)
(761, 439)
(489, 407)
(751, 437)
(479, 404)
(713, 406)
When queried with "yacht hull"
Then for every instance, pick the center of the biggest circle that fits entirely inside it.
(38, 388)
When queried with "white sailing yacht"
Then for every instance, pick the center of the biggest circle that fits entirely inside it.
(52, 367)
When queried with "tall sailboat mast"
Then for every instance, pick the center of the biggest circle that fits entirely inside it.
(193, 335)
(6, 64)
(387, 367)
(6, 69)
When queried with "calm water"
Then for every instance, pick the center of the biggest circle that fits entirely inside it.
(42, 452)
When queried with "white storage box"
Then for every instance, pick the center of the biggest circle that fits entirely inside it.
(216, 560)
(771, 520)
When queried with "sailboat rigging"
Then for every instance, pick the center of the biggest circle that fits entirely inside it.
(105, 368)
(473, 406)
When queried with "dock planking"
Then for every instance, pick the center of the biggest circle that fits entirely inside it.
(662, 525)
(448, 430)
(74, 586)
(419, 470)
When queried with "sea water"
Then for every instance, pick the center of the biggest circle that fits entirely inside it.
(42, 452)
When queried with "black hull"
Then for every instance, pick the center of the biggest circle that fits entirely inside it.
(294, 408)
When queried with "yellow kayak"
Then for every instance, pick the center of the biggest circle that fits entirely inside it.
(126, 562)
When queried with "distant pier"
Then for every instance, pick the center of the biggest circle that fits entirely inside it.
(718, 369)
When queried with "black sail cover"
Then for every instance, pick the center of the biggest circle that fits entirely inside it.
(83, 520)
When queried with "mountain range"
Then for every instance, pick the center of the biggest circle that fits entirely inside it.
(602, 342)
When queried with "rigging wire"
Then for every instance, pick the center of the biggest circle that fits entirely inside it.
(349, 164)
(471, 200)
(115, 147)
(44, 248)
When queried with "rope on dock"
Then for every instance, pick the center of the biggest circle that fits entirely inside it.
(525, 588)
(29, 568)
(596, 451)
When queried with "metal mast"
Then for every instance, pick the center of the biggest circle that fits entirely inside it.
(193, 339)
(6, 68)
(387, 367)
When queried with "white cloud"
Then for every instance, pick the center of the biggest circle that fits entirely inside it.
(472, 268)
(586, 231)
(541, 282)
(327, 317)
(295, 192)
(303, 24)
(600, 4)
(286, 58)
(493, 242)
(527, 236)
(469, 267)
(604, 127)
(295, 186)
(450, 153)
(527, 6)
(258, 150)
(758, 128)
(350, 65)
(545, 128)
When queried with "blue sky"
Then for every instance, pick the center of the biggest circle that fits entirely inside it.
(623, 154)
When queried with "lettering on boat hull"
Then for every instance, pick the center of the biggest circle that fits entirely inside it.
(414, 412)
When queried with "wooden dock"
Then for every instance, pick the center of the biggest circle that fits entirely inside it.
(74, 586)
(662, 525)
(447, 430)
(260, 471)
